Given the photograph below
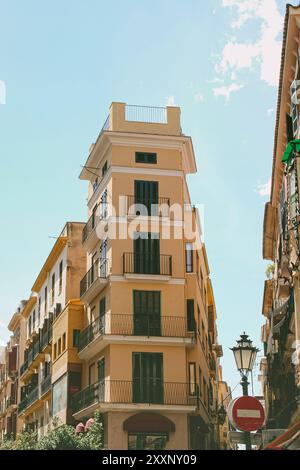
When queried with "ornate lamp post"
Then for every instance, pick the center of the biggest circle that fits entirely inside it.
(245, 354)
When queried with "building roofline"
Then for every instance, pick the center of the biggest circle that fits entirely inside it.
(279, 95)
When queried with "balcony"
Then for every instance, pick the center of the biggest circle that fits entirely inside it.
(11, 401)
(154, 207)
(29, 399)
(89, 235)
(46, 385)
(94, 280)
(147, 266)
(135, 395)
(22, 405)
(46, 338)
(115, 328)
(24, 367)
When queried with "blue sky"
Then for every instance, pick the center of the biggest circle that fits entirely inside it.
(62, 63)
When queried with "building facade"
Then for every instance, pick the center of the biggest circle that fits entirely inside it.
(122, 317)
(279, 369)
(149, 346)
(45, 384)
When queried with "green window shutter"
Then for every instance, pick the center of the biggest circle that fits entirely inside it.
(145, 157)
(190, 315)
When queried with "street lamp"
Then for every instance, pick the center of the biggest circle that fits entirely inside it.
(245, 354)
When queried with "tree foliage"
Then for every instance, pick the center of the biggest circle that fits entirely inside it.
(61, 437)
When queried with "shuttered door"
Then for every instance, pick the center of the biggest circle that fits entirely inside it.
(146, 193)
(146, 254)
(146, 313)
(147, 377)
(101, 379)
(102, 310)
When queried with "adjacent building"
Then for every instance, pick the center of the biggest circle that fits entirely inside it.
(46, 379)
(280, 369)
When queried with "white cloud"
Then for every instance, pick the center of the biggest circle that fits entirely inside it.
(264, 189)
(265, 52)
(227, 90)
(270, 111)
(199, 97)
(170, 101)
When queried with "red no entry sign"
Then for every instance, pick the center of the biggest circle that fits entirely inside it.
(246, 413)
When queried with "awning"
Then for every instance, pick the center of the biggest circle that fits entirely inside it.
(282, 442)
(148, 422)
(292, 146)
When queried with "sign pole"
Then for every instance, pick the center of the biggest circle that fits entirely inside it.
(245, 384)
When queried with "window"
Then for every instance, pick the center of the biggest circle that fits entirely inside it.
(189, 257)
(199, 316)
(147, 377)
(45, 300)
(192, 378)
(200, 381)
(76, 336)
(202, 333)
(33, 320)
(104, 169)
(294, 106)
(103, 205)
(59, 395)
(190, 315)
(60, 277)
(204, 391)
(91, 374)
(146, 258)
(52, 288)
(55, 351)
(141, 157)
(146, 197)
(147, 313)
(95, 184)
(147, 441)
(64, 342)
(29, 326)
(39, 311)
(59, 347)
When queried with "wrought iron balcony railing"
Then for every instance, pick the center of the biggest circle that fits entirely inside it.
(29, 399)
(46, 384)
(135, 325)
(148, 391)
(99, 270)
(147, 263)
(99, 213)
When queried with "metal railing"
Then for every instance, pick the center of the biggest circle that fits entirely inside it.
(24, 367)
(33, 396)
(135, 325)
(22, 405)
(147, 263)
(150, 114)
(105, 126)
(150, 391)
(11, 401)
(30, 398)
(98, 270)
(159, 207)
(99, 214)
(46, 337)
(46, 384)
